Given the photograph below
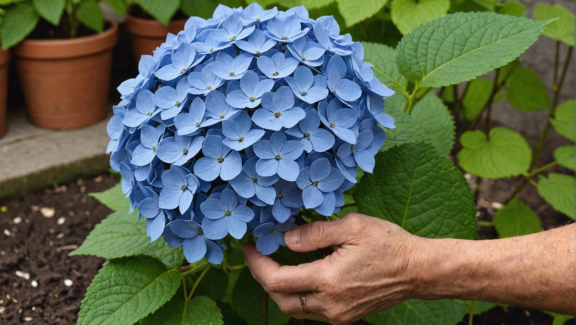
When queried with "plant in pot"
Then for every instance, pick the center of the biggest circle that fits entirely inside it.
(149, 21)
(63, 57)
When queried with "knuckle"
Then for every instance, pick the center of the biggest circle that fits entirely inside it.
(316, 233)
(274, 284)
(355, 222)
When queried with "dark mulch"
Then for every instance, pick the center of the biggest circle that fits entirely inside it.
(39, 246)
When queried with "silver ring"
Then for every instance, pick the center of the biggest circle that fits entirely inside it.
(303, 305)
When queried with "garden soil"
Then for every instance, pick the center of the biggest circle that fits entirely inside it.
(41, 284)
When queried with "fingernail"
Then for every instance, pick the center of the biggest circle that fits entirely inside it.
(291, 238)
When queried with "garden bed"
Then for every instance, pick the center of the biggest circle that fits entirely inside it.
(37, 242)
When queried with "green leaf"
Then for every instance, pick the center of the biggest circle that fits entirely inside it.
(409, 14)
(17, 23)
(178, 311)
(512, 8)
(525, 91)
(113, 198)
(559, 319)
(117, 5)
(436, 121)
(558, 190)
(421, 312)
(419, 190)
(213, 284)
(505, 154)
(384, 66)
(247, 299)
(462, 46)
(565, 156)
(160, 10)
(121, 234)
(127, 290)
(205, 8)
(51, 10)
(516, 219)
(354, 13)
(561, 29)
(407, 129)
(476, 97)
(309, 4)
(90, 15)
(563, 120)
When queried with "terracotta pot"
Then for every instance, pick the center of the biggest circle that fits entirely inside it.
(148, 34)
(66, 82)
(4, 58)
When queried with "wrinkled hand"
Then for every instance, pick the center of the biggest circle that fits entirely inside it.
(368, 272)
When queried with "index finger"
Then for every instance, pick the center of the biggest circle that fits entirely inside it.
(283, 279)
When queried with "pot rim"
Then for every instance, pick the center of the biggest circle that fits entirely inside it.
(151, 27)
(69, 48)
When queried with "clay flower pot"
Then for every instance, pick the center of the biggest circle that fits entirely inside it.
(4, 58)
(148, 34)
(66, 82)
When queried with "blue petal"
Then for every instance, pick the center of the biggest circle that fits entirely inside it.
(332, 182)
(214, 253)
(194, 249)
(212, 209)
(155, 227)
(236, 227)
(267, 167)
(312, 197)
(207, 168)
(328, 205)
(231, 167)
(319, 169)
(215, 229)
(267, 244)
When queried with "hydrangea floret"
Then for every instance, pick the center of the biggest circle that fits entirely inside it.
(240, 122)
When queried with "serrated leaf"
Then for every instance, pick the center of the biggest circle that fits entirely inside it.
(421, 312)
(247, 298)
(516, 219)
(505, 154)
(476, 97)
(121, 234)
(561, 29)
(198, 311)
(407, 129)
(127, 290)
(17, 23)
(119, 6)
(525, 91)
(113, 198)
(384, 65)
(354, 13)
(462, 46)
(412, 186)
(512, 8)
(565, 156)
(51, 10)
(558, 190)
(409, 14)
(563, 120)
(436, 121)
(160, 10)
(90, 15)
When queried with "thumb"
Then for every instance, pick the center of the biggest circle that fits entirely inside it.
(321, 234)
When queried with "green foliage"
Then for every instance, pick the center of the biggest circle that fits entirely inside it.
(126, 290)
(384, 66)
(119, 6)
(17, 23)
(309, 4)
(565, 156)
(205, 8)
(421, 312)
(412, 186)
(247, 298)
(51, 10)
(563, 120)
(407, 129)
(113, 198)
(179, 311)
(213, 284)
(160, 10)
(121, 234)
(516, 219)
(476, 97)
(354, 13)
(525, 91)
(561, 29)
(409, 14)
(484, 41)
(435, 119)
(505, 154)
(558, 191)
(512, 8)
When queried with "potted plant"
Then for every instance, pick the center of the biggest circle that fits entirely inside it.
(148, 22)
(64, 56)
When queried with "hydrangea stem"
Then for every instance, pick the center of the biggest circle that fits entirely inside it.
(471, 313)
(198, 282)
(185, 270)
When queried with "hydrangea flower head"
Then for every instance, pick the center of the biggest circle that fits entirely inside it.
(240, 122)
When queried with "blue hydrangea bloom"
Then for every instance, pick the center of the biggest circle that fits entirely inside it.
(238, 122)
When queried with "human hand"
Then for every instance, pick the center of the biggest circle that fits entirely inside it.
(369, 271)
